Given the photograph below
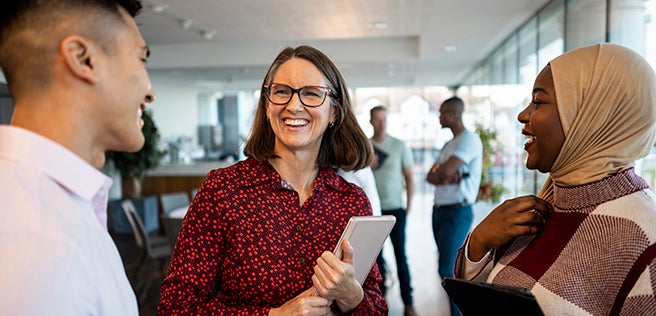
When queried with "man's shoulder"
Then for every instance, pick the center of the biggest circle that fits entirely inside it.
(470, 134)
(396, 139)
(393, 142)
(20, 184)
(470, 137)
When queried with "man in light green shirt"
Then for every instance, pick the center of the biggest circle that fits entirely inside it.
(393, 173)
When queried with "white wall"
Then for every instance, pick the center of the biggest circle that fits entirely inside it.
(175, 111)
(207, 108)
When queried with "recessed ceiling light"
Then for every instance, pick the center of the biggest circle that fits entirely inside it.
(450, 48)
(185, 23)
(159, 7)
(379, 25)
(207, 34)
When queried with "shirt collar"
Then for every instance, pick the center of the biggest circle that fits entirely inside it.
(58, 163)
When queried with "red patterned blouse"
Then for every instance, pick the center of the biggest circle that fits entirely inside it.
(247, 246)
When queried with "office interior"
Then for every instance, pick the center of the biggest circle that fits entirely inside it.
(209, 57)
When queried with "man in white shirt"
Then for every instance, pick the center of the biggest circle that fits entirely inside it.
(364, 178)
(76, 71)
(456, 175)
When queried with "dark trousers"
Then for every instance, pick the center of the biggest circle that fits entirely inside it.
(397, 236)
(380, 261)
(451, 225)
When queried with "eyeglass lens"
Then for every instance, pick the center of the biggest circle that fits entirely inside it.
(310, 95)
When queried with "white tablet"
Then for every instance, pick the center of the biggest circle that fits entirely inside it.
(367, 235)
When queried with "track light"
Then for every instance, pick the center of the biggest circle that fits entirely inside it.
(185, 23)
(158, 8)
(207, 34)
(450, 48)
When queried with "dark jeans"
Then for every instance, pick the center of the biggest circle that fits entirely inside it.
(450, 228)
(397, 236)
(380, 261)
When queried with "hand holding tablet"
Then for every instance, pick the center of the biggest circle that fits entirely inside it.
(367, 236)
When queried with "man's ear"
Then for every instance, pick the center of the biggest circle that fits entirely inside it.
(81, 57)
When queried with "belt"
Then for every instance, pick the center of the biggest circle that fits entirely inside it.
(450, 206)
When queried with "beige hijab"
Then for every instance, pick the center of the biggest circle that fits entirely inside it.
(606, 98)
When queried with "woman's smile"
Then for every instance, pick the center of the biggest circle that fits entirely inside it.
(296, 122)
(530, 140)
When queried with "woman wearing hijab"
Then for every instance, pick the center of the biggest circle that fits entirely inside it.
(586, 244)
(258, 237)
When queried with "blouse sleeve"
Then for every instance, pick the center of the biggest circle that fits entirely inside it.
(373, 302)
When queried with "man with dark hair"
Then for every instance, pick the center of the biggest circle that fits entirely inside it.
(393, 173)
(456, 175)
(76, 70)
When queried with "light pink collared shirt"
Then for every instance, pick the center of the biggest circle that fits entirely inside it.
(57, 257)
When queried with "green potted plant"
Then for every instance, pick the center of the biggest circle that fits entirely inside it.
(132, 166)
(489, 190)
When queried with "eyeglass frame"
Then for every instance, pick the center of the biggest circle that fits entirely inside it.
(327, 92)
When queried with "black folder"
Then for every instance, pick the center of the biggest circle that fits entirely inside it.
(478, 298)
(381, 156)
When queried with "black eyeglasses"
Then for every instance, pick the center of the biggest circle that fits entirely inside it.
(281, 94)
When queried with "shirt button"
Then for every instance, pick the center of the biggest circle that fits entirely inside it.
(298, 227)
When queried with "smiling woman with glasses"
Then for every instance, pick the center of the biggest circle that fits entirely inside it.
(258, 237)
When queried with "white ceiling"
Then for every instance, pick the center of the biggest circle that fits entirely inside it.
(249, 33)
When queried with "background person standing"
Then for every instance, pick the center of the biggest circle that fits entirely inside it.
(456, 175)
(364, 178)
(393, 170)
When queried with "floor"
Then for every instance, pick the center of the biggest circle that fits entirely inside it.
(430, 298)
(130, 254)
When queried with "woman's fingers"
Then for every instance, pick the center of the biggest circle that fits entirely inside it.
(327, 272)
(334, 278)
(514, 217)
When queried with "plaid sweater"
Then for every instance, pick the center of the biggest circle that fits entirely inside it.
(595, 255)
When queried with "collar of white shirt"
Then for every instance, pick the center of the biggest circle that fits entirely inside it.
(58, 163)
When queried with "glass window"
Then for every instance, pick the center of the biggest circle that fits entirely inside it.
(550, 32)
(486, 73)
(627, 23)
(650, 32)
(528, 46)
(510, 53)
(586, 23)
(497, 67)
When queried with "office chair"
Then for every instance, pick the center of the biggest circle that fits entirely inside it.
(155, 248)
(171, 227)
(174, 200)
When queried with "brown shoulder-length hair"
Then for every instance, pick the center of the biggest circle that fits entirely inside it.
(343, 145)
